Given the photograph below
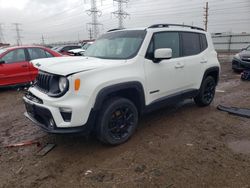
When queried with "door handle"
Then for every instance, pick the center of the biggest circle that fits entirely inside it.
(179, 65)
(203, 61)
(24, 66)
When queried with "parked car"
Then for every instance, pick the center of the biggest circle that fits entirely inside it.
(64, 49)
(126, 73)
(15, 66)
(241, 61)
(80, 51)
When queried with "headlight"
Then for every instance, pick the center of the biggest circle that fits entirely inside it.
(237, 56)
(63, 83)
(58, 86)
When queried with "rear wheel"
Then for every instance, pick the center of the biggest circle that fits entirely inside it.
(206, 93)
(117, 121)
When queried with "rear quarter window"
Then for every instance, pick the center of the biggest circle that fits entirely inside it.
(203, 40)
(190, 43)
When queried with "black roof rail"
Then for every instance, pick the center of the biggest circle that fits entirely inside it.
(117, 29)
(178, 25)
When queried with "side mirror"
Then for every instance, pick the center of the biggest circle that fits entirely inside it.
(2, 61)
(243, 49)
(163, 53)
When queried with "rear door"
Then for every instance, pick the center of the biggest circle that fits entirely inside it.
(193, 58)
(15, 69)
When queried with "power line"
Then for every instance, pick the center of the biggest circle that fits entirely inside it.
(94, 13)
(18, 35)
(120, 13)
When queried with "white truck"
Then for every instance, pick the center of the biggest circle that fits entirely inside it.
(124, 74)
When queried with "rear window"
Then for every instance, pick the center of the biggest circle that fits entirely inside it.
(190, 43)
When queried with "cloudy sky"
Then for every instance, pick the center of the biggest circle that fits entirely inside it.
(65, 20)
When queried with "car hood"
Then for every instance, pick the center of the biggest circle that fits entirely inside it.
(77, 50)
(245, 53)
(69, 65)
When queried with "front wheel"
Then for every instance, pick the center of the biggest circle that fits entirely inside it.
(206, 93)
(117, 121)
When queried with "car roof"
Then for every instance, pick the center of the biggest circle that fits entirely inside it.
(24, 46)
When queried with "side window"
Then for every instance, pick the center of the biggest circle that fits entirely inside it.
(48, 54)
(168, 40)
(203, 42)
(150, 51)
(36, 53)
(190, 43)
(72, 47)
(14, 56)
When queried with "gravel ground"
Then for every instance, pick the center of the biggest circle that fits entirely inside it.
(178, 146)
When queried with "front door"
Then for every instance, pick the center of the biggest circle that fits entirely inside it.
(14, 68)
(167, 76)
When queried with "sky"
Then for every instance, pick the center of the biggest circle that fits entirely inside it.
(66, 20)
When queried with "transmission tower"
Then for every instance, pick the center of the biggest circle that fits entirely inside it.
(94, 13)
(18, 35)
(120, 13)
(43, 41)
(90, 33)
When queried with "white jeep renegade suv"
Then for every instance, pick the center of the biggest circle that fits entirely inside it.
(123, 75)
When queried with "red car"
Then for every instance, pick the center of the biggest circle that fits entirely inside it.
(15, 66)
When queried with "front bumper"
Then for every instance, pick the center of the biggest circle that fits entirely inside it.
(239, 64)
(43, 117)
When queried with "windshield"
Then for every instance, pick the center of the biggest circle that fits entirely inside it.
(248, 48)
(85, 46)
(117, 45)
(54, 48)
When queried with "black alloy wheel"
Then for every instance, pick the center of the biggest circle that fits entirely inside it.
(117, 121)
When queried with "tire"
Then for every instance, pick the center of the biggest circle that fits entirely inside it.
(117, 121)
(206, 93)
(237, 71)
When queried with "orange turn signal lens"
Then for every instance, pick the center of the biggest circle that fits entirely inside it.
(77, 84)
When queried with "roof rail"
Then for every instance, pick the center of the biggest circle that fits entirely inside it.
(117, 29)
(178, 25)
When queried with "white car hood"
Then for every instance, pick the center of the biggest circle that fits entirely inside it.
(77, 50)
(69, 65)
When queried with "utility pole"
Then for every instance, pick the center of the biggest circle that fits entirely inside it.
(43, 41)
(206, 16)
(94, 13)
(120, 13)
(1, 34)
(18, 35)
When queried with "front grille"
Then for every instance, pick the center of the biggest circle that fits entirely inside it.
(43, 81)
